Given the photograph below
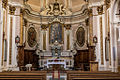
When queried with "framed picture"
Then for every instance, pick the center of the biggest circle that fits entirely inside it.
(56, 32)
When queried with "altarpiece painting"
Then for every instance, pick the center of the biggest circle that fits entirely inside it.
(56, 33)
(32, 37)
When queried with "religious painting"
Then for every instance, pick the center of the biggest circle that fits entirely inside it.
(80, 35)
(56, 33)
(32, 37)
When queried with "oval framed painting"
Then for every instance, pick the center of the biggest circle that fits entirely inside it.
(32, 37)
(80, 36)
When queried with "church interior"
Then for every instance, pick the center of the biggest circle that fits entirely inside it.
(59, 39)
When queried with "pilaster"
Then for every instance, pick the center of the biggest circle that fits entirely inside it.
(44, 28)
(68, 27)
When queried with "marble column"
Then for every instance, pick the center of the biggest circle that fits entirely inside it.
(10, 33)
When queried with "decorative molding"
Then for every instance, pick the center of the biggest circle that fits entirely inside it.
(100, 10)
(12, 10)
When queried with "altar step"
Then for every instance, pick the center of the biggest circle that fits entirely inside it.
(78, 75)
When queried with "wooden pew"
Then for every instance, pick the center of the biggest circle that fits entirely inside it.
(23, 75)
(80, 75)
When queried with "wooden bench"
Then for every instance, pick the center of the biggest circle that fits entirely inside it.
(23, 75)
(80, 75)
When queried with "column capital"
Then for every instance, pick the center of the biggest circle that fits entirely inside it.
(44, 27)
(4, 3)
(21, 11)
(12, 10)
(100, 10)
(90, 12)
(68, 26)
(107, 3)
